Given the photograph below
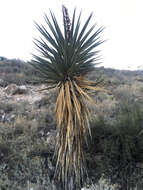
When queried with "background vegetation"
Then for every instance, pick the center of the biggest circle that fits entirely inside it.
(16, 71)
(27, 132)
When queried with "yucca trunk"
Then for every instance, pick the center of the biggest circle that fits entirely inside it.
(72, 127)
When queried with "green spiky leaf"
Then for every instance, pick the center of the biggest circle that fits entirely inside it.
(61, 57)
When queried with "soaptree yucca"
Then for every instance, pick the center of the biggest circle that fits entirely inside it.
(65, 59)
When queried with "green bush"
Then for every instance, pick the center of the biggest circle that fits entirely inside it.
(123, 148)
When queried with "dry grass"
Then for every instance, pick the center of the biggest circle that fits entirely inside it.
(73, 126)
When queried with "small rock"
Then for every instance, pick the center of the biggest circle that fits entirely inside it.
(13, 89)
(11, 118)
(3, 118)
(22, 89)
(50, 140)
(2, 83)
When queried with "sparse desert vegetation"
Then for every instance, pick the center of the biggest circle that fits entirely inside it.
(28, 131)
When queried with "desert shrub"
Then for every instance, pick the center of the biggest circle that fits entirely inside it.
(94, 150)
(17, 72)
(46, 120)
(124, 94)
(23, 156)
(116, 149)
(7, 107)
(10, 111)
(11, 78)
(107, 108)
(123, 148)
(48, 100)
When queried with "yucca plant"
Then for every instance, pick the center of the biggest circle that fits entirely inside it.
(66, 58)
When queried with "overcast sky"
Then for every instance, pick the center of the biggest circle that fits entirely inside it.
(122, 20)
